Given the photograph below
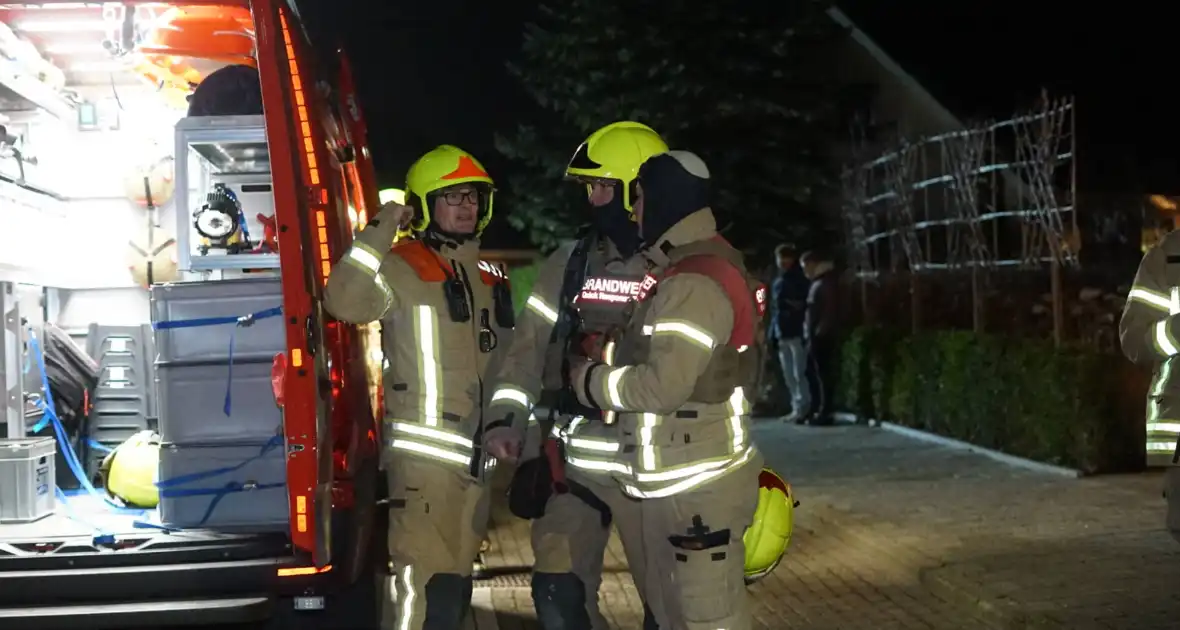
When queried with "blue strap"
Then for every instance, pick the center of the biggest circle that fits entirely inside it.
(168, 487)
(100, 537)
(244, 321)
(163, 485)
(98, 446)
(199, 322)
(67, 451)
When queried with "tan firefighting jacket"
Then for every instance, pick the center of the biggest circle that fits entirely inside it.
(533, 364)
(679, 388)
(434, 379)
(1150, 336)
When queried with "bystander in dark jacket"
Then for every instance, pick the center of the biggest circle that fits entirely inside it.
(821, 333)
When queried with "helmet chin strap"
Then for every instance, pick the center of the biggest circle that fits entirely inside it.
(437, 236)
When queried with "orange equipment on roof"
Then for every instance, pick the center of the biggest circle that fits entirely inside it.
(187, 43)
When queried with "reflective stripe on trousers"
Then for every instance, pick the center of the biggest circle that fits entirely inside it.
(439, 445)
(1162, 434)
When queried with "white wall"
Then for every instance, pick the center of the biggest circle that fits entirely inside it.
(84, 243)
(78, 308)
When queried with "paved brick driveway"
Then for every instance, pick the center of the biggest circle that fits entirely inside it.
(899, 533)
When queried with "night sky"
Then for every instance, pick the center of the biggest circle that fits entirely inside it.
(434, 72)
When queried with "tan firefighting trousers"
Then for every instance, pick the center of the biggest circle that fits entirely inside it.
(570, 537)
(438, 516)
(685, 552)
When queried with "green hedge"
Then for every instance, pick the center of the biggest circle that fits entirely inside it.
(1068, 406)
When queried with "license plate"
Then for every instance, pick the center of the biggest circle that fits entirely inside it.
(309, 603)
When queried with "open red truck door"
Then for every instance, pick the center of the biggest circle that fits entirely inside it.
(328, 416)
(299, 194)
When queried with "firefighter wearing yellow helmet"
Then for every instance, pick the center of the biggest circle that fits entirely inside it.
(768, 536)
(442, 311)
(677, 382)
(601, 269)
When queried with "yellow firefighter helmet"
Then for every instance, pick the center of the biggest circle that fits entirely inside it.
(129, 472)
(768, 536)
(443, 167)
(616, 151)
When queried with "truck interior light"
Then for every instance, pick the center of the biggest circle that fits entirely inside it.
(51, 26)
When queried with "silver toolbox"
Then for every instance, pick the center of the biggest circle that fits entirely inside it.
(177, 308)
(27, 483)
(192, 401)
(224, 487)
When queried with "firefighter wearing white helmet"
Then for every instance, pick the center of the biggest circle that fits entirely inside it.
(678, 381)
(442, 311)
(580, 296)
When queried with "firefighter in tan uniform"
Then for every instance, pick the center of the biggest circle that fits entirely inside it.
(591, 281)
(442, 311)
(678, 382)
(1149, 333)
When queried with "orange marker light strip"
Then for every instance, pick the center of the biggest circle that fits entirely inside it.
(296, 571)
(323, 254)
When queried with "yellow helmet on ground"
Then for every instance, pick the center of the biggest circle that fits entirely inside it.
(129, 472)
(616, 152)
(767, 538)
(443, 167)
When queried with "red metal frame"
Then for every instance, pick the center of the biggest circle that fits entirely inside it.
(292, 195)
(351, 444)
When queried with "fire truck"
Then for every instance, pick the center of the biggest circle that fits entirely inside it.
(176, 180)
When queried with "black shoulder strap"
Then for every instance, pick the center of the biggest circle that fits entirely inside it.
(567, 317)
(572, 282)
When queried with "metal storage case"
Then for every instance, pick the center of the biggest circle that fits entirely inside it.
(27, 484)
(195, 369)
(221, 149)
(248, 493)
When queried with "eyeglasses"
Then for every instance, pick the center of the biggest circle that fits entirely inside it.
(458, 197)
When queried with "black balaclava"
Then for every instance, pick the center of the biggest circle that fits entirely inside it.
(675, 185)
(613, 221)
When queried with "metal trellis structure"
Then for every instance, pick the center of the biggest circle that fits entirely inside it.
(990, 196)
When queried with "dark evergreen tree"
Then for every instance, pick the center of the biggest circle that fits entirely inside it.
(744, 85)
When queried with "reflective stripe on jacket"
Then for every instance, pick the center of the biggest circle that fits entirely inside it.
(533, 364)
(433, 382)
(667, 443)
(1149, 336)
